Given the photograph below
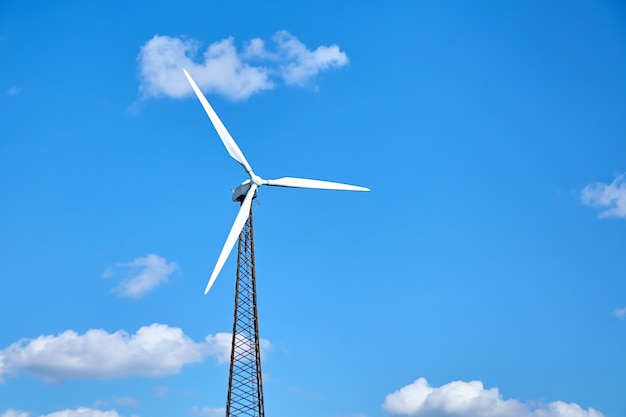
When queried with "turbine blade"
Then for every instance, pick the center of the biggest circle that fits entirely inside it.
(227, 140)
(235, 231)
(306, 183)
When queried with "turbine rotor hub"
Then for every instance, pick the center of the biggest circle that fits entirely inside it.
(256, 179)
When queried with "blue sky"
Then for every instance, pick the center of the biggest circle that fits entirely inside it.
(483, 275)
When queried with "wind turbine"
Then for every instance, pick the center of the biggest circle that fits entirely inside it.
(245, 393)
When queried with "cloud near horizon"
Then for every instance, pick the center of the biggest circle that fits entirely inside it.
(141, 276)
(471, 399)
(224, 70)
(153, 351)
(77, 412)
(13, 413)
(611, 198)
(208, 412)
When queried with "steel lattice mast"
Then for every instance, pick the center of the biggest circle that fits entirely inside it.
(245, 382)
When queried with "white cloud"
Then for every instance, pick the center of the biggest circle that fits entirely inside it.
(154, 351)
(620, 312)
(299, 65)
(610, 197)
(78, 412)
(471, 399)
(219, 345)
(141, 275)
(208, 412)
(223, 70)
(13, 413)
(83, 412)
(13, 91)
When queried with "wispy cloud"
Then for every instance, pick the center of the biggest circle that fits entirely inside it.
(471, 399)
(140, 276)
(611, 198)
(208, 412)
(126, 402)
(153, 351)
(77, 412)
(620, 313)
(83, 412)
(161, 391)
(224, 70)
(13, 91)
(13, 413)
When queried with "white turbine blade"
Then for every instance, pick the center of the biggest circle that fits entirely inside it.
(235, 231)
(306, 183)
(227, 140)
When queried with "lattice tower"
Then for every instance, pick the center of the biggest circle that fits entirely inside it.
(245, 384)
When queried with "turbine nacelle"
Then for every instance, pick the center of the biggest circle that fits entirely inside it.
(240, 192)
(247, 191)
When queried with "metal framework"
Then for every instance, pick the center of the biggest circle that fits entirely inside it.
(245, 384)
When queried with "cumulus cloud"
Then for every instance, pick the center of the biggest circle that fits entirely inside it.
(208, 412)
(471, 399)
(298, 65)
(611, 198)
(153, 351)
(224, 70)
(141, 276)
(78, 412)
(219, 346)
